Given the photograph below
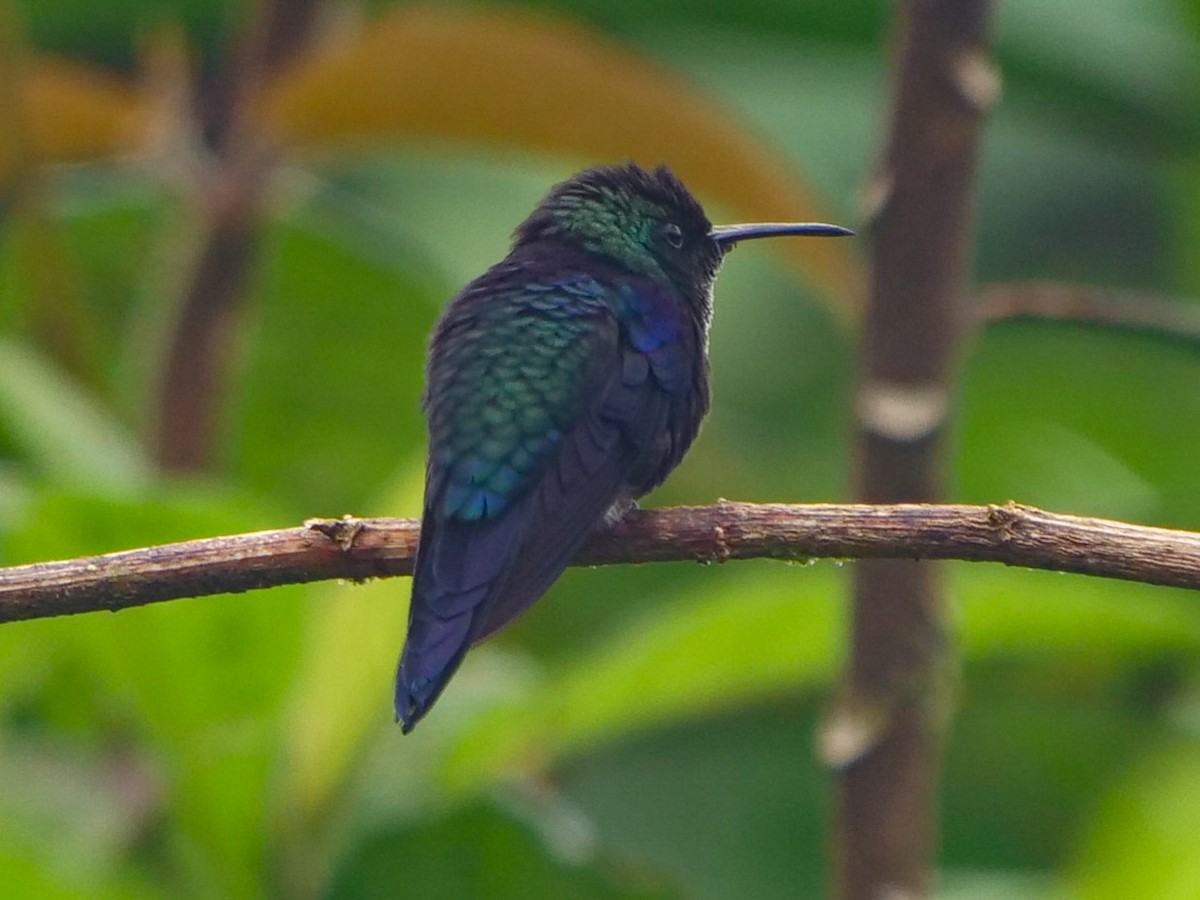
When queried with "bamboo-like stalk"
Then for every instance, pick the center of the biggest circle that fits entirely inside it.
(884, 733)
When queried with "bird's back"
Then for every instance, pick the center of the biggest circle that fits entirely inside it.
(555, 390)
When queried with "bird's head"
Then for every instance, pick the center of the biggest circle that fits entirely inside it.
(647, 222)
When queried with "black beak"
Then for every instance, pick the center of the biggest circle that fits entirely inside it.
(726, 236)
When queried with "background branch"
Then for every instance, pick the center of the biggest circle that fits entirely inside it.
(885, 730)
(230, 192)
(1175, 318)
(367, 548)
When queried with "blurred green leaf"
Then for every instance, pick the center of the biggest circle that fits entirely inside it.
(751, 770)
(59, 430)
(1027, 756)
(1192, 11)
(328, 403)
(341, 695)
(28, 876)
(1064, 617)
(1097, 61)
(204, 683)
(995, 886)
(762, 635)
(200, 682)
(1103, 439)
(111, 223)
(78, 811)
(478, 852)
(1145, 842)
(112, 38)
(859, 21)
(776, 631)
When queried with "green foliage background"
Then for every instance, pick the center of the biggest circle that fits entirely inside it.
(646, 732)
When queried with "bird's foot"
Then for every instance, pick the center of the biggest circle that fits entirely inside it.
(618, 511)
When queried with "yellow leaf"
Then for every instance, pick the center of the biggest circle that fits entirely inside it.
(63, 112)
(511, 80)
(76, 113)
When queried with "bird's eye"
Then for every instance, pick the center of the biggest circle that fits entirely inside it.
(673, 235)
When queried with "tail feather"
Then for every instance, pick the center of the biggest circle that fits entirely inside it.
(432, 653)
(458, 564)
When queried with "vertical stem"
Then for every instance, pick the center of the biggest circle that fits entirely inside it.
(885, 732)
(200, 354)
(231, 194)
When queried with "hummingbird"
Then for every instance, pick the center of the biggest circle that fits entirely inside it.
(562, 384)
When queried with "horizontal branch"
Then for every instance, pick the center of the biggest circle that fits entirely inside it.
(1175, 318)
(356, 549)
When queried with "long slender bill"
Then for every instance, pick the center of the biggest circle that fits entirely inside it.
(727, 235)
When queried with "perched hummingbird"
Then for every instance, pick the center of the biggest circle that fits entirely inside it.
(563, 383)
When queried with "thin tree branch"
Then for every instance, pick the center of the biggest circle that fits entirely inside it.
(351, 548)
(1175, 318)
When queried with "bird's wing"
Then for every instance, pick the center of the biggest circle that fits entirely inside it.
(539, 412)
